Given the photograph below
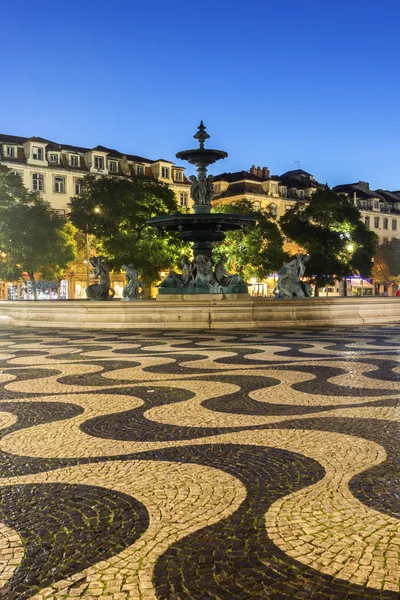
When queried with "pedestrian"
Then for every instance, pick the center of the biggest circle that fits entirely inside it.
(398, 292)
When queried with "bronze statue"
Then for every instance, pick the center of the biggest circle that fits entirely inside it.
(289, 284)
(176, 280)
(103, 289)
(131, 290)
(202, 189)
(224, 278)
(204, 273)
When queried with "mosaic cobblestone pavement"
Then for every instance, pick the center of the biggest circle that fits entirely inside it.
(205, 466)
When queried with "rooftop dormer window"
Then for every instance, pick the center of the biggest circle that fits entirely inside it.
(139, 170)
(165, 172)
(99, 162)
(273, 188)
(54, 159)
(10, 151)
(37, 153)
(178, 175)
(112, 166)
(74, 160)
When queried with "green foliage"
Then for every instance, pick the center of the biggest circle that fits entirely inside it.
(330, 229)
(116, 210)
(257, 252)
(387, 262)
(33, 237)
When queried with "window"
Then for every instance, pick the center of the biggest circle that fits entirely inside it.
(376, 204)
(78, 186)
(112, 166)
(273, 188)
(301, 194)
(256, 205)
(216, 188)
(139, 169)
(385, 223)
(60, 211)
(284, 192)
(74, 160)
(10, 151)
(37, 153)
(394, 224)
(178, 175)
(165, 172)
(99, 162)
(376, 222)
(54, 159)
(363, 204)
(273, 208)
(367, 223)
(59, 185)
(385, 240)
(183, 199)
(381, 206)
(38, 182)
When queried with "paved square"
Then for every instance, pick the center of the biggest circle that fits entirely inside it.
(198, 465)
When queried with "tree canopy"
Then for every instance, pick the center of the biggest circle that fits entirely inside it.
(258, 251)
(330, 229)
(116, 210)
(387, 262)
(33, 237)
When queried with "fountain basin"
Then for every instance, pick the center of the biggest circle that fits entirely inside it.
(217, 222)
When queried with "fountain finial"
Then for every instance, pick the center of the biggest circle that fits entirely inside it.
(201, 134)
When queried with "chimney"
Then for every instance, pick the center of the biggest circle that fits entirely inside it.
(265, 172)
(253, 170)
(259, 172)
(364, 185)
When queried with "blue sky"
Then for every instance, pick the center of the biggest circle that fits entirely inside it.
(314, 81)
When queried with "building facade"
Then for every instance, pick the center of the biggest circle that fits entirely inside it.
(279, 193)
(380, 210)
(56, 170)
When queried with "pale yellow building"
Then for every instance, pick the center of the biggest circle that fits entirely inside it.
(56, 170)
(380, 209)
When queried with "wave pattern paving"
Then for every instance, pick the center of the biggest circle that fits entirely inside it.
(200, 466)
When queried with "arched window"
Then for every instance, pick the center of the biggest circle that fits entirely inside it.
(59, 185)
(273, 208)
(38, 182)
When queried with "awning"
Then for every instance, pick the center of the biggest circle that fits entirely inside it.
(359, 283)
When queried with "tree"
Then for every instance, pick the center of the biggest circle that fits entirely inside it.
(387, 262)
(330, 229)
(258, 251)
(33, 237)
(116, 211)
